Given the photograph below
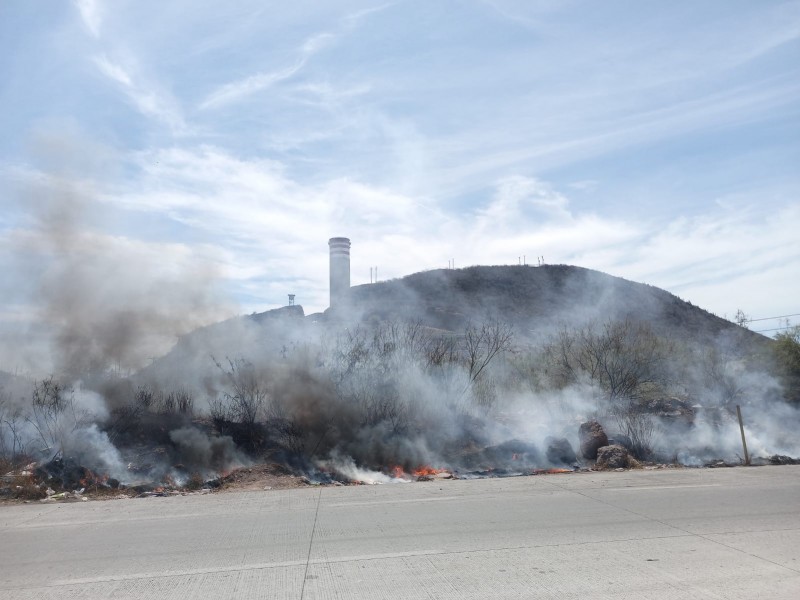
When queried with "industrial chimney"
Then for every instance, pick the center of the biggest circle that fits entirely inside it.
(340, 270)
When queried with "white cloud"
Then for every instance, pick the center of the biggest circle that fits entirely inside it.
(517, 195)
(275, 230)
(113, 71)
(236, 90)
(242, 88)
(146, 98)
(91, 12)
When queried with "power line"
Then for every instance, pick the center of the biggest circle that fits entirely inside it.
(774, 329)
(770, 318)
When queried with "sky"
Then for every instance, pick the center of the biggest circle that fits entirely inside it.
(225, 142)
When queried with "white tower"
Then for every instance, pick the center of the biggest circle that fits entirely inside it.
(340, 270)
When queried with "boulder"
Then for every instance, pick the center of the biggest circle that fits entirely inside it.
(592, 438)
(560, 452)
(614, 457)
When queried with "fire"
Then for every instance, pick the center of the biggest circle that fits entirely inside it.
(398, 472)
(551, 471)
(90, 479)
(425, 470)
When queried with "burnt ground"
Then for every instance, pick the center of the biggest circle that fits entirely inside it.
(24, 487)
(257, 477)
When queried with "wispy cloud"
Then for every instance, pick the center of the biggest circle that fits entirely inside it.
(242, 88)
(148, 100)
(113, 71)
(91, 13)
(237, 90)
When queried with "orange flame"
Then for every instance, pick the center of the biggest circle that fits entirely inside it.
(426, 470)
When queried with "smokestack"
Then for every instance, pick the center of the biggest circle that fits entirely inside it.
(340, 269)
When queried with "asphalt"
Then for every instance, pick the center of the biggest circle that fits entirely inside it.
(688, 533)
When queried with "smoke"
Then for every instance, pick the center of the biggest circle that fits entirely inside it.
(418, 373)
(345, 467)
(98, 292)
(92, 448)
(199, 452)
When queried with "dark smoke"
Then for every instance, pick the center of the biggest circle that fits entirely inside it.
(98, 299)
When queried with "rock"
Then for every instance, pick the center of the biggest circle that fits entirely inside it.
(592, 438)
(560, 452)
(615, 458)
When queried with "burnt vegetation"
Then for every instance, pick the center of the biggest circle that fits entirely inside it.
(452, 385)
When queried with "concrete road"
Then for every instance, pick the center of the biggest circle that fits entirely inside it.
(725, 533)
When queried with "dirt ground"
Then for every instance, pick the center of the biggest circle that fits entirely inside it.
(268, 476)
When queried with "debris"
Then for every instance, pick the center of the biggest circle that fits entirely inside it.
(780, 459)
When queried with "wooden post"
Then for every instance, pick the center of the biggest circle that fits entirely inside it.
(744, 442)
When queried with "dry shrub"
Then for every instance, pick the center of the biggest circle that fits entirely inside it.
(195, 481)
(25, 488)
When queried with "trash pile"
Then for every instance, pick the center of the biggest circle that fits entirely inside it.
(63, 479)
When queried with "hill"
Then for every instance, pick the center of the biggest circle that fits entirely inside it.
(536, 300)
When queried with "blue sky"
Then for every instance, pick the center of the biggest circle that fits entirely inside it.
(657, 141)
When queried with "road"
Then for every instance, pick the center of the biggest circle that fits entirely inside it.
(690, 533)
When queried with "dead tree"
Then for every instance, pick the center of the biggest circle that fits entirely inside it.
(53, 413)
(482, 344)
(620, 358)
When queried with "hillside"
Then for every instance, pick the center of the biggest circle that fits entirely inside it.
(535, 300)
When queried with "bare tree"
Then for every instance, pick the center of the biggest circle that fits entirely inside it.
(741, 319)
(482, 344)
(248, 394)
(722, 377)
(638, 425)
(620, 358)
(53, 413)
(12, 446)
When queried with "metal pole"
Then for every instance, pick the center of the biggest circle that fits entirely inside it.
(744, 442)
